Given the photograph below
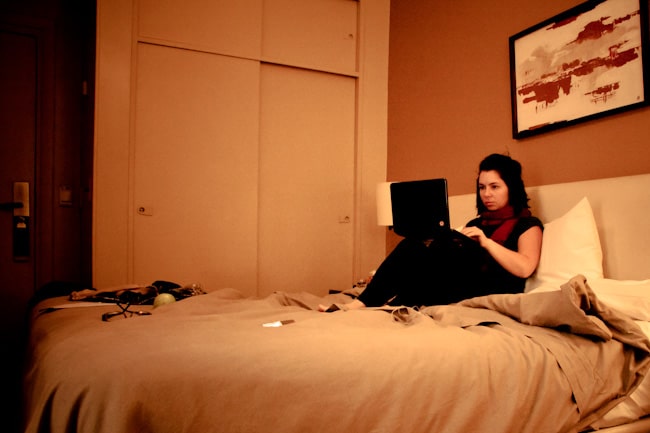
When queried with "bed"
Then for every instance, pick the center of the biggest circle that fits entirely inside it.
(569, 355)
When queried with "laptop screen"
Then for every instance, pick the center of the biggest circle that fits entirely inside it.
(420, 208)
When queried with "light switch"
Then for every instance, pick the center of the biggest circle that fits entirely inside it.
(65, 196)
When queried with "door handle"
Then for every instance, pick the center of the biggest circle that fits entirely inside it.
(10, 206)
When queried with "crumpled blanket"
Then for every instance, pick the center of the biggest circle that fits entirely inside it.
(575, 310)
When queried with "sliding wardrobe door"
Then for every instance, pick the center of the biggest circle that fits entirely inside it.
(307, 142)
(195, 168)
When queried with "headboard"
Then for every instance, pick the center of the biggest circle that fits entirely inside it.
(621, 208)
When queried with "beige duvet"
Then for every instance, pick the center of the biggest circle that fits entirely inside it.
(207, 364)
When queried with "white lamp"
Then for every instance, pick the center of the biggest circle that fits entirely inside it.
(384, 205)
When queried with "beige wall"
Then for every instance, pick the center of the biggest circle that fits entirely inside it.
(449, 100)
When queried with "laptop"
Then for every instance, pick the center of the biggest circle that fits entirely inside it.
(421, 210)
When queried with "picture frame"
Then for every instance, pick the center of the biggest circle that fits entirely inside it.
(585, 63)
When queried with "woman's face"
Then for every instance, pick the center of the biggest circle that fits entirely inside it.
(493, 190)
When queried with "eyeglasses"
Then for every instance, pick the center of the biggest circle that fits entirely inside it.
(124, 312)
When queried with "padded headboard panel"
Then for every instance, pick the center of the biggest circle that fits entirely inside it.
(621, 208)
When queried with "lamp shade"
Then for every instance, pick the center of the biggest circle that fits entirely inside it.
(384, 205)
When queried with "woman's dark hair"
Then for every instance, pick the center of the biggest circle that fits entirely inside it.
(510, 171)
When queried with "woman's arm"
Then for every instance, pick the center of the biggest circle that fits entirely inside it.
(520, 263)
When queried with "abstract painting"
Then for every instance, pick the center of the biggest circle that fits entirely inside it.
(579, 65)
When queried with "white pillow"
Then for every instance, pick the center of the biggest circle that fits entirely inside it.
(570, 246)
(628, 296)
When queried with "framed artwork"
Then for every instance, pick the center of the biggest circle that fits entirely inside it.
(587, 62)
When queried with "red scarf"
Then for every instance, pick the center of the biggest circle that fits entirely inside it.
(505, 218)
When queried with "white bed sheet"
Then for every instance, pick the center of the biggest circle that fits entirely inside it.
(634, 407)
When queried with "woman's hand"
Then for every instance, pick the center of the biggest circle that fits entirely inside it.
(521, 263)
(476, 234)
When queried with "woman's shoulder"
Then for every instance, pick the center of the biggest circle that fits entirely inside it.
(473, 223)
(527, 222)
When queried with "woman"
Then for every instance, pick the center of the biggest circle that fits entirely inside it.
(509, 242)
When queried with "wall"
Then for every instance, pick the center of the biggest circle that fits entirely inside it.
(449, 100)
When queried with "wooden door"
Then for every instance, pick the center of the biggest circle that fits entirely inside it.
(196, 165)
(18, 108)
(307, 157)
(17, 157)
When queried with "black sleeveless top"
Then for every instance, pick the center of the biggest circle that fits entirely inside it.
(493, 277)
